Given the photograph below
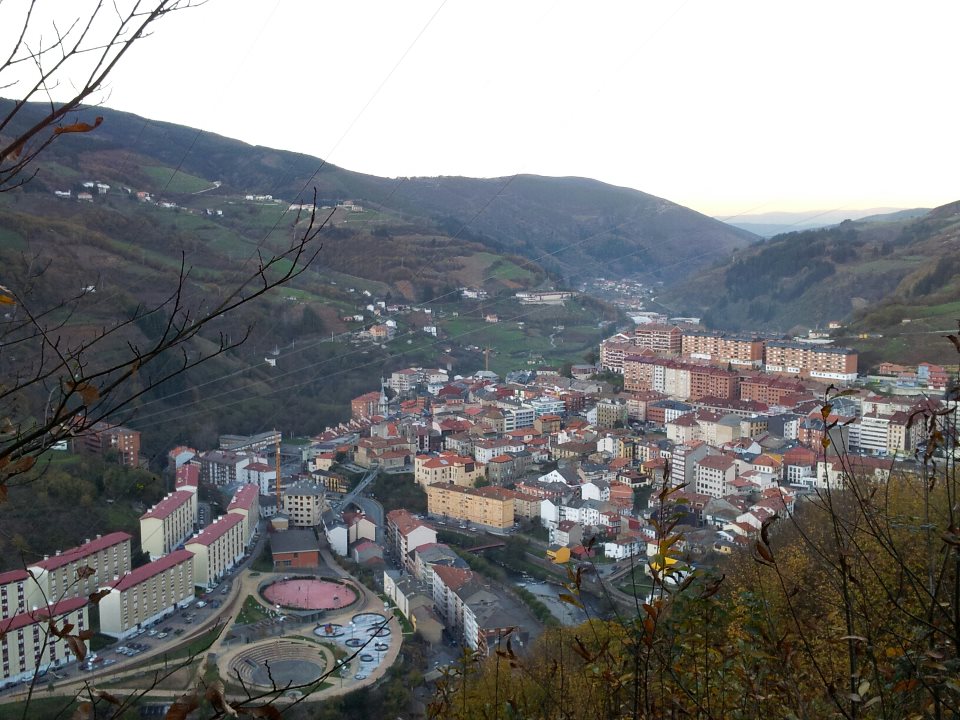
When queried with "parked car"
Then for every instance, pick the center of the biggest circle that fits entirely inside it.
(201, 603)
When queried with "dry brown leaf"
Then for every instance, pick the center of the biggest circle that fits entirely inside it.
(77, 647)
(183, 706)
(84, 711)
(79, 127)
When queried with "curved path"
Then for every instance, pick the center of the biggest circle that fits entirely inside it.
(242, 586)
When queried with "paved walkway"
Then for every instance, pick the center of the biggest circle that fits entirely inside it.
(242, 586)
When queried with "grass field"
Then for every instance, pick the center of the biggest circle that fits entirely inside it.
(251, 612)
(181, 182)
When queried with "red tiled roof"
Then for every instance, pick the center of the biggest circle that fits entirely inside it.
(188, 475)
(454, 578)
(13, 576)
(717, 462)
(85, 550)
(165, 507)
(217, 530)
(145, 572)
(41, 614)
(244, 498)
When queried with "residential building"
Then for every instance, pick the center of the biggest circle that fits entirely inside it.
(250, 443)
(487, 506)
(246, 503)
(611, 413)
(365, 406)
(406, 533)
(56, 577)
(167, 524)
(721, 349)
(304, 503)
(26, 644)
(814, 361)
(102, 438)
(262, 475)
(447, 468)
(219, 467)
(187, 478)
(614, 350)
(659, 337)
(335, 530)
(713, 474)
(13, 592)
(769, 389)
(147, 593)
(216, 549)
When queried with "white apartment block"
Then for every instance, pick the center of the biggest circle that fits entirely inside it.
(167, 524)
(148, 593)
(28, 647)
(216, 549)
(56, 577)
(713, 473)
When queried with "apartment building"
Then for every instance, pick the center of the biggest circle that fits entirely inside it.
(56, 577)
(813, 361)
(246, 504)
(713, 474)
(638, 373)
(661, 338)
(26, 645)
(488, 506)
(485, 450)
(188, 479)
(303, 503)
(147, 593)
(13, 593)
(250, 443)
(102, 438)
(219, 467)
(167, 524)
(770, 389)
(406, 533)
(611, 413)
(216, 549)
(721, 349)
(712, 382)
(614, 350)
(365, 406)
(447, 468)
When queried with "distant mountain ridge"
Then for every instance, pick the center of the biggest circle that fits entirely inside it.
(895, 278)
(775, 223)
(575, 227)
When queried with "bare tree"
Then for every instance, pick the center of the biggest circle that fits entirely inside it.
(57, 380)
(69, 57)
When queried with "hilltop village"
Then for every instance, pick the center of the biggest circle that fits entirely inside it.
(566, 463)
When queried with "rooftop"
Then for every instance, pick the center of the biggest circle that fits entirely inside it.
(86, 550)
(168, 505)
(215, 531)
(145, 572)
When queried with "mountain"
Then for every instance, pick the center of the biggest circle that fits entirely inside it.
(892, 282)
(775, 223)
(574, 227)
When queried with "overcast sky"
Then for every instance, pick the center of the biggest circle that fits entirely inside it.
(726, 107)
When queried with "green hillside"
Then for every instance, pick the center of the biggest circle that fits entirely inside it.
(571, 226)
(897, 279)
